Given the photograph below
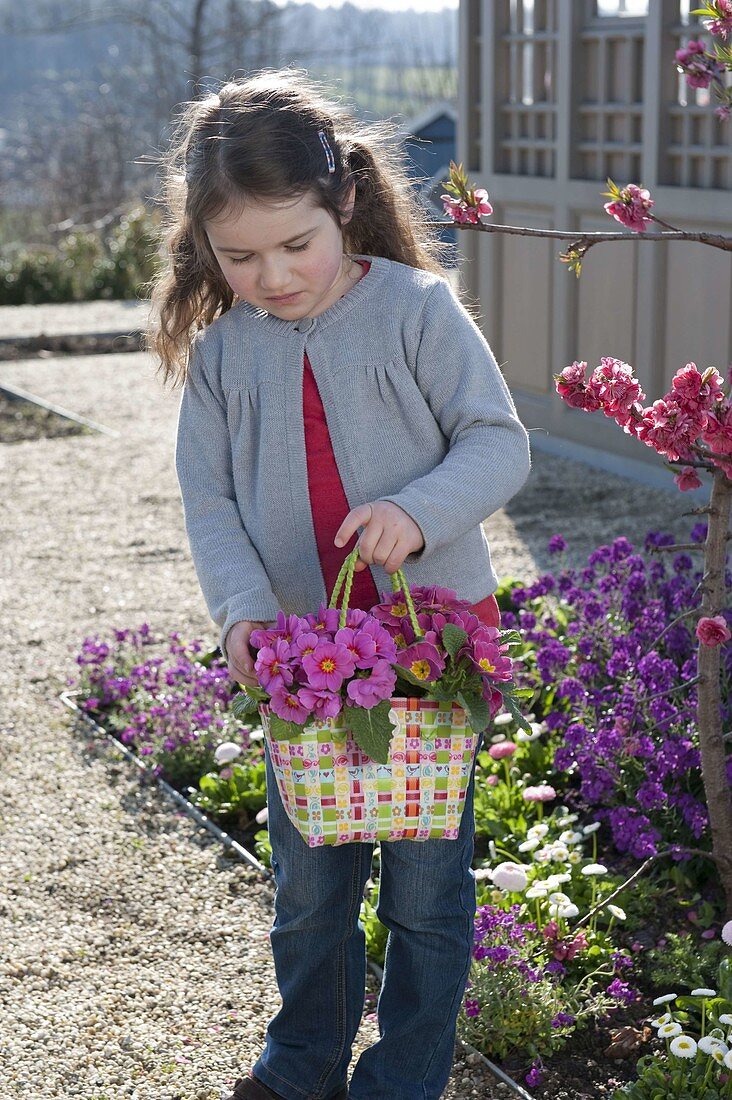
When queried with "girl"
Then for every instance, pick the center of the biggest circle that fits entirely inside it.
(332, 382)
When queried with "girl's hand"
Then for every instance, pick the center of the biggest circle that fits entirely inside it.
(388, 535)
(241, 661)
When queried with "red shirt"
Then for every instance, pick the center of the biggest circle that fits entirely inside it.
(330, 505)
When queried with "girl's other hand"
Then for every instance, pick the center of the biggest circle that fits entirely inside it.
(241, 660)
(388, 536)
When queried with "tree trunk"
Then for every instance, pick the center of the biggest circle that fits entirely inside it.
(711, 739)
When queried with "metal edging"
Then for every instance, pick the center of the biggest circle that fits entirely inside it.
(193, 811)
(16, 394)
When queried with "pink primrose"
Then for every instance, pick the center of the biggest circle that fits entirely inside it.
(384, 643)
(687, 479)
(323, 704)
(272, 666)
(493, 698)
(713, 630)
(360, 644)
(392, 612)
(328, 665)
(288, 705)
(285, 627)
(367, 691)
(326, 621)
(304, 643)
(502, 749)
(488, 661)
(423, 660)
(355, 616)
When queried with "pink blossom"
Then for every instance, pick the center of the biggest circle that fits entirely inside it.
(722, 112)
(384, 644)
(722, 25)
(303, 644)
(326, 621)
(460, 210)
(328, 665)
(670, 428)
(630, 209)
(687, 479)
(693, 389)
(491, 780)
(367, 691)
(718, 430)
(572, 388)
(543, 792)
(289, 706)
(713, 630)
(423, 660)
(271, 665)
(285, 627)
(699, 67)
(502, 749)
(489, 661)
(323, 703)
(615, 386)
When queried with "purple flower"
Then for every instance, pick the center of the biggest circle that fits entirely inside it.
(328, 665)
(367, 691)
(272, 667)
(323, 704)
(556, 544)
(289, 706)
(423, 660)
(360, 643)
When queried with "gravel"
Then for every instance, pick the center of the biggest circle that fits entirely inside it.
(135, 956)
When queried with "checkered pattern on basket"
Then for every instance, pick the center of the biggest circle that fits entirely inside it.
(335, 794)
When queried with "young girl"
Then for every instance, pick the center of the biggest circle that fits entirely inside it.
(332, 383)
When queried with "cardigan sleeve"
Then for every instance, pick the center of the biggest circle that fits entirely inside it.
(230, 572)
(488, 458)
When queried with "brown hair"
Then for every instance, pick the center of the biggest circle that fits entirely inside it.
(258, 138)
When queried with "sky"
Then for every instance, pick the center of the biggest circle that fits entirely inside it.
(390, 5)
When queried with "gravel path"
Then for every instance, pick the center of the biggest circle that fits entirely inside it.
(135, 956)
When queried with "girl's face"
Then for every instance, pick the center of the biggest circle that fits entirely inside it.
(277, 249)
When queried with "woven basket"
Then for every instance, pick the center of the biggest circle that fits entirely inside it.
(334, 793)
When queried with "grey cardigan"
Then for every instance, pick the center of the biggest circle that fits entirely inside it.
(418, 413)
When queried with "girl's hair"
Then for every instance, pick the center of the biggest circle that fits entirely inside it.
(257, 138)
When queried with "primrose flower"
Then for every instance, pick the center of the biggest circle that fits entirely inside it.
(287, 627)
(328, 665)
(489, 660)
(226, 752)
(669, 1031)
(367, 691)
(272, 666)
(289, 706)
(322, 703)
(423, 660)
(510, 876)
(683, 1046)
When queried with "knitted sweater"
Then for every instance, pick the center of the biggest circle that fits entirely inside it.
(418, 413)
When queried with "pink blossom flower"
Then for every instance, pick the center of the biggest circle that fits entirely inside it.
(718, 430)
(322, 703)
(699, 67)
(272, 666)
(489, 661)
(543, 792)
(687, 479)
(326, 621)
(722, 112)
(502, 749)
(286, 627)
(722, 25)
(462, 211)
(423, 660)
(696, 390)
(384, 644)
(303, 644)
(630, 209)
(615, 386)
(670, 428)
(491, 780)
(713, 630)
(289, 706)
(328, 665)
(360, 644)
(367, 691)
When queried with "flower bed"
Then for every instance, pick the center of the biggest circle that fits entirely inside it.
(605, 785)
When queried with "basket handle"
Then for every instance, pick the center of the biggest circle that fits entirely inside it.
(345, 580)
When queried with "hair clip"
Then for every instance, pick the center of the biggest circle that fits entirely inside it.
(328, 152)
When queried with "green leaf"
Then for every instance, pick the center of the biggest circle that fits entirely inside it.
(283, 730)
(510, 703)
(372, 729)
(454, 638)
(404, 687)
(243, 704)
(477, 710)
(405, 674)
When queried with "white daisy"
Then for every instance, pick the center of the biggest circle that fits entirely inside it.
(667, 1018)
(574, 857)
(558, 898)
(226, 752)
(557, 879)
(482, 873)
(504, 719)
(569, 836)
(728, 1059)
(589, 829)
(594, 869)
(704, 992)
(669, 1031)
(727, 932)
(536, 892)
(559, 853)
(617, 911)
(683, 1046)
(497, 738)
(256, 735)
(529, 845)
(510, 876)
(708, 1043)
(544, 855)
(719, 1055)
(665, 999)
(725, 1018)
(540, 830)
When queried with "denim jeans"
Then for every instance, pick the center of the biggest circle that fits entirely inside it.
(427, 901)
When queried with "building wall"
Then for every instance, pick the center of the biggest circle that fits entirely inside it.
(555, 97)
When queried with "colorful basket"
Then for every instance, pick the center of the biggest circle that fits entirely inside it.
(334, 793)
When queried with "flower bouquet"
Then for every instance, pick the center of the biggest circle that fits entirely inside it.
(372, 718)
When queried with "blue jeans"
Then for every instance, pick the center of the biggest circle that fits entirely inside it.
(427, 901)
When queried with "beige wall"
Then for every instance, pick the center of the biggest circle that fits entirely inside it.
(553, 99)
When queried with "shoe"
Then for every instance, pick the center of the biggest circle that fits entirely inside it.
(251, 1088)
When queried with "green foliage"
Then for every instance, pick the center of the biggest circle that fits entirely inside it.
(372, 729)
(376, 933)
(660, 1078)
(238, 794)
(698, 960)
(84, 265)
